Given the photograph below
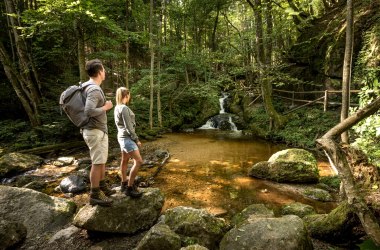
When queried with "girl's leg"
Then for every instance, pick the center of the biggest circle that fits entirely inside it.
(137, 163)
(124, 166)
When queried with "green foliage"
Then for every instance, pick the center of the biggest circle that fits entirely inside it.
(331, 181)
(367, 131)
(10, 128)
(368, 245)
(366, 66)
(305, 126)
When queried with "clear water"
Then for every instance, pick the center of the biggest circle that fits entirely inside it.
(208, 169)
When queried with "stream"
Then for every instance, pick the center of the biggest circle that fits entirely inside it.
(208, 169)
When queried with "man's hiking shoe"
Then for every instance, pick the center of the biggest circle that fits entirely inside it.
(97, 197)
(133, 192)
(106, 190)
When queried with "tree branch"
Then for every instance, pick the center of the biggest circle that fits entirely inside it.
(350, 121)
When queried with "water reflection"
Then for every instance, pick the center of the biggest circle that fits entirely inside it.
(208, 169)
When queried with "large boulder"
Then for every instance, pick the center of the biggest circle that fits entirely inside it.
(11, 233)
(196, 226)
(286, 232)
(38, 212)
(259, 210)
(290, 165)
(15, 163)
(160, 237)
(126, 215)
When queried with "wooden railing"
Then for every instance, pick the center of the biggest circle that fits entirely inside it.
(323, 99)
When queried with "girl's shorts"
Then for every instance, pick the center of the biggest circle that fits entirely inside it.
(127, 145)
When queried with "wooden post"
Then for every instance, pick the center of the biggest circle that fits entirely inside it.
(292, 98)
(326, 100)
(270, 123)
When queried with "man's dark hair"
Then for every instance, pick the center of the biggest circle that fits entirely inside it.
(93, 67)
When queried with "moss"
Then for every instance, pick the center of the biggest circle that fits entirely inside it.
(333, 227)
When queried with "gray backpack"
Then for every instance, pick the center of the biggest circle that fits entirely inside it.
(73, 101)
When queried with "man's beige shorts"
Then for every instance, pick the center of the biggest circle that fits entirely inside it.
(97, 142)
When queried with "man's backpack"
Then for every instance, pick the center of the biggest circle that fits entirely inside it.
(73, 101)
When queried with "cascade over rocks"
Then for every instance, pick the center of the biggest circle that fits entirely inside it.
(15, 163)
(38, 212)
(126, 215)
(289, 165)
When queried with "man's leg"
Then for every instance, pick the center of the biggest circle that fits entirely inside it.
(97, 197)
(96, 175)
(102, 184)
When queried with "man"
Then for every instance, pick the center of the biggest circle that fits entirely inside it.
(95, 132)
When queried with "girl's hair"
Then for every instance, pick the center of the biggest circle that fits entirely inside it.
(120, 94)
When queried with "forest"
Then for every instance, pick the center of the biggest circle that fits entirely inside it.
(178, 56)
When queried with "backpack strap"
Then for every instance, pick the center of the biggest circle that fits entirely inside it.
(87, 86)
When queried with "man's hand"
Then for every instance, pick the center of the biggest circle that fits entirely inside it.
(108, 105)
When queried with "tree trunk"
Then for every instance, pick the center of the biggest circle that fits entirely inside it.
(151, 46)
(269, 39)
(159, 113)
(81, 50)
(347, 64)
(266, 86)
(21, 71)
(17, 83)
(339, 159)
(126, 67)
(213, 36)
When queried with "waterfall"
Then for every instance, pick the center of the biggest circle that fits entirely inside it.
(221, 102)
(223, 121)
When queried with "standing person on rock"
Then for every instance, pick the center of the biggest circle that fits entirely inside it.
(129, 142)
(95, 132)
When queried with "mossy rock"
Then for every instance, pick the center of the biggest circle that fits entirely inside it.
(290, 165)
(335, 227)
(297, 208)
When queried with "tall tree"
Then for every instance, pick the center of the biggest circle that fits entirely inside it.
(81, 54)
(159, 58)
(266, 86)
(347, 65)
(21, 73)
(151, 47)
(126, 64)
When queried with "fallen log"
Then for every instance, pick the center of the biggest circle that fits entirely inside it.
(53, 148)
(339, 159)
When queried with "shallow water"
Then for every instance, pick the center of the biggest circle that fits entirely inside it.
(208, 169)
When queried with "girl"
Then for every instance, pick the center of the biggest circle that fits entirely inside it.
(129, 142)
